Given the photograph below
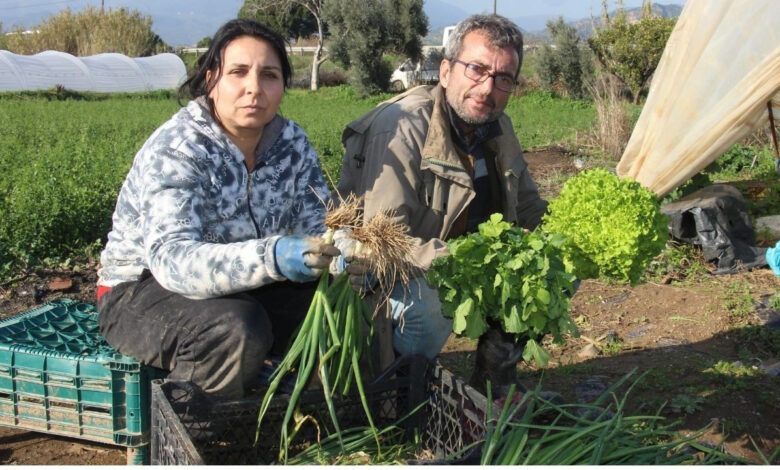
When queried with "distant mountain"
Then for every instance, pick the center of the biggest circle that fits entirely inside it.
(177, 22)
(584, 26)
(442, 14)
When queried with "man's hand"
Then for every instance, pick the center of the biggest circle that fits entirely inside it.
(353, 260)
(302, 258)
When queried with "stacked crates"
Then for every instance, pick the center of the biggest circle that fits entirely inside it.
(59, 376)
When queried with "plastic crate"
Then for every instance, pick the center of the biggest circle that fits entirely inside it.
(189, 428)
(59, 376)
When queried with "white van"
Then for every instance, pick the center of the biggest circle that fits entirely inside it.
(410, 74)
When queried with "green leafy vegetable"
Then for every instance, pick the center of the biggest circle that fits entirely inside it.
(613, 227)
(508, 277)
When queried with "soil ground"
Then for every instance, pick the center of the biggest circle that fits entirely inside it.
(703, 342)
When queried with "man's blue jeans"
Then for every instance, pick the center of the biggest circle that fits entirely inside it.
(418, 325)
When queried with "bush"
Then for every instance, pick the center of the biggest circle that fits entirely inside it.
(569, 65)
(91, 32)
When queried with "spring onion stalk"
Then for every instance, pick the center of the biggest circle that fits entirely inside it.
(358, 445)
(315, 342)
(519, 436)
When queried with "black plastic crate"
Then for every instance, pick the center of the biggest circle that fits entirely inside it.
(188, 428)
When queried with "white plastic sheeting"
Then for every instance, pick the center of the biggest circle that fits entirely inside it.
(101, 73)
(719, 70)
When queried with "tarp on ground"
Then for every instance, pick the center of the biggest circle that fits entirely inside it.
(107, 73)
(720, 68)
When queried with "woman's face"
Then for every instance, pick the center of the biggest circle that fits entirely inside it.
(250, 87)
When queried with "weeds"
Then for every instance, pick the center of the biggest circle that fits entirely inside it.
(677, 263)
(774, 300)
(732, 376)
(612, 346)
(612, 127)
(758, 342)
(685, 403)
(737, 301)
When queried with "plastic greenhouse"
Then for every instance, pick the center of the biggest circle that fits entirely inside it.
(717, 81)
(101, 73)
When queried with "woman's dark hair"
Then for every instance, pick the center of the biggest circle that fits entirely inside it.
(196, 85)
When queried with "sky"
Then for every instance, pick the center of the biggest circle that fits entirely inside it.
(570, 9)
(532, 15)
(184, 22)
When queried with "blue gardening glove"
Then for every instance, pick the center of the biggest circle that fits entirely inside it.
(303, 258)
(773, 259)
(354, 260)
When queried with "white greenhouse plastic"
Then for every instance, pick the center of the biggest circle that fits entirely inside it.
(720, 68)
(101, 73)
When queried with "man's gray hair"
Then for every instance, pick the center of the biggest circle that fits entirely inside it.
(500, 32)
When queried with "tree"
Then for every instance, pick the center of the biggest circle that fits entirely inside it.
(291, 21)
(205, 42)
(361, 36)
(631, 51)
(278, 9)
(570, 62)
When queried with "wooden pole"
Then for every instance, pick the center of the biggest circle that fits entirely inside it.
(772, 129)
(773, 135)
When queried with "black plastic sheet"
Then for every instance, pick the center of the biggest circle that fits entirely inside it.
(716, 219)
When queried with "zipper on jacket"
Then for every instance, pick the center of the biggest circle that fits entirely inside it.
(249, 203)
(445, 163)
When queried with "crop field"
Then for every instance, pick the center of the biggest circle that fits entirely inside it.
(706, 347)
(63, 157)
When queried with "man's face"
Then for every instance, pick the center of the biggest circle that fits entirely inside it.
(477, 103)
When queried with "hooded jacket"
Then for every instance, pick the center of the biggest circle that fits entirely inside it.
(401, 156)
(191, 213)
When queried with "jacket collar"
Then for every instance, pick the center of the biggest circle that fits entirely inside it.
(439, 147)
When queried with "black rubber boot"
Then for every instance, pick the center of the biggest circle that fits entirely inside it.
(498, 354)
(496, 361)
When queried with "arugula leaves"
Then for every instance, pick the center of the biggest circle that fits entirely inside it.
(508, 277)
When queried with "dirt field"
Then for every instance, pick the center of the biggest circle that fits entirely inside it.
(704, 343)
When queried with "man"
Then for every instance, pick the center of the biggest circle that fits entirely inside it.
(444, 158)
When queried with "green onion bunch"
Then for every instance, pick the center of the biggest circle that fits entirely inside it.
(534, 431)
(337, 328)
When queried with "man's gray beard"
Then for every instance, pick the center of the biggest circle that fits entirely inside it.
(460, 112)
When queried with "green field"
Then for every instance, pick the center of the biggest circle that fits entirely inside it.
(63, 157)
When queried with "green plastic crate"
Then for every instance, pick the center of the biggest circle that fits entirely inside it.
(59, 376)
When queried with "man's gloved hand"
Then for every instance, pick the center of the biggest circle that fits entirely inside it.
(773, 259)
(303, 258)
(354, 260)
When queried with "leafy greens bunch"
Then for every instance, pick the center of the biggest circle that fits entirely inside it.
(613, 226)
(509, 277)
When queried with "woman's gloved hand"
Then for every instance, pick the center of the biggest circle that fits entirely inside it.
(354, 260)
(773, 258)
(303, 258)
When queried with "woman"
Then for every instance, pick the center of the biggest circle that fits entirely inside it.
(214, 239)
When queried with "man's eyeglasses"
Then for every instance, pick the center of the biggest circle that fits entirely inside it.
(501, 80)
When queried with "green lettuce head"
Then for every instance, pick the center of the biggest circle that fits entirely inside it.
(613, 227)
